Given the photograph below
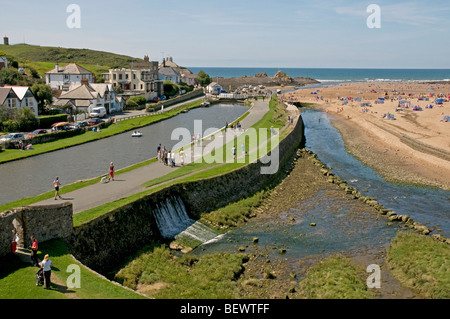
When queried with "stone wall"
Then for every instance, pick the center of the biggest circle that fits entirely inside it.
(105, 242)
(43, 222)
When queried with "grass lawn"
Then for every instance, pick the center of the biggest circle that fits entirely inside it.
(163, 276)
(18, 278)
(334, 278)
(421, 263)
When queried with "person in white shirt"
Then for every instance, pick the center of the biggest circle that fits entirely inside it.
(46, 265)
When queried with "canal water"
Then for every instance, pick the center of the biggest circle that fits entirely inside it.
(33, 176)
(334, 230)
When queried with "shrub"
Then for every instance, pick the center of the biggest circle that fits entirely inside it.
(48, 120)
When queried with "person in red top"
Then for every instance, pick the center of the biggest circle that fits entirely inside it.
(34, 249)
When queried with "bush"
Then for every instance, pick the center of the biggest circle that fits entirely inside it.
(48, 120)
(136, 101)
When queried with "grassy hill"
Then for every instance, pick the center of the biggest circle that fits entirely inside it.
(43, 59)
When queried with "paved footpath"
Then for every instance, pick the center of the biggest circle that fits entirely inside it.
(128, 183)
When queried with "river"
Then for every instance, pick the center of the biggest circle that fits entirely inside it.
(33, 176)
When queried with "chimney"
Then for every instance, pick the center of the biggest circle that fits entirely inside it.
(146, 58)
(84, 81)
(5, 41)
(164, 62)
(171, 59)
(57, 66)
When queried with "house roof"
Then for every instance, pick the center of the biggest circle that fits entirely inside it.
(83, 92)
(100, 88)
(71, 68)
(168, 71)
(4, 92)
(20, 91)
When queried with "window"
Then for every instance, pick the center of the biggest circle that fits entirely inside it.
(120, 76)
(114, 77)
(126, 76)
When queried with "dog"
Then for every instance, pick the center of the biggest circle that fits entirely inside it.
(103, 180)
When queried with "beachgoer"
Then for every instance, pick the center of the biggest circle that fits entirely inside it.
(56, 185)
(169, 158)
(173, 159)
(111, 171)
(34, 249)
(46, 265)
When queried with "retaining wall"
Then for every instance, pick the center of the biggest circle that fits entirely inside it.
(43, 222)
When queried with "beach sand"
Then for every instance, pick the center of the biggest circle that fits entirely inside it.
(414, 148)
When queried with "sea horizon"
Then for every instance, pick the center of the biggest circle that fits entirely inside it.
(334, 74)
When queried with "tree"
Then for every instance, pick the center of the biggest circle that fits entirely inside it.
(43, 95)
(203, 78)
(170, 88)
(11, 76)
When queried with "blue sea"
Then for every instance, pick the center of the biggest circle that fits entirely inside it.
(326, 75)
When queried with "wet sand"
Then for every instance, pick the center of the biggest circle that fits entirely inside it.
(412, 148)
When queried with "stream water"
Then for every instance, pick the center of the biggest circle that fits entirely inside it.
(335, 231)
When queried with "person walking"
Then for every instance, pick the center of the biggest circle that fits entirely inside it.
(56, 185)
(173, 159)
(46, 265)
(34, 249)
(111, 171)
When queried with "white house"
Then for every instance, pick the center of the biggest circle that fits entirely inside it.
(3, 62)
(167, 73)
(141, 79)
(61, 77)
(80, 99)
(18, 96)
(214, 88)
(107, 96)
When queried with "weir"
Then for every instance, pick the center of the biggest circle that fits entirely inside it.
(173, 222)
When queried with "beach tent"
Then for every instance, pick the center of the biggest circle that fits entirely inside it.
(417, 108)
(439, 101)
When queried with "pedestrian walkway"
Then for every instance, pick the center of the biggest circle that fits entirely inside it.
(128, 183)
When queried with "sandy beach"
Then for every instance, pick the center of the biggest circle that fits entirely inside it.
(401, 143)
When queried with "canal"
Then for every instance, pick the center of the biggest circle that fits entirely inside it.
(33, 176)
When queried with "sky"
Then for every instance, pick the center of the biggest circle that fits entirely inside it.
(282, 33)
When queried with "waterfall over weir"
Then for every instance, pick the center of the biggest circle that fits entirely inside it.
(173, 222)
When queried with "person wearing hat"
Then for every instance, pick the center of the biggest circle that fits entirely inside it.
(46, 265)
(111, 171)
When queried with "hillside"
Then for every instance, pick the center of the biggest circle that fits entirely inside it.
(43, 59)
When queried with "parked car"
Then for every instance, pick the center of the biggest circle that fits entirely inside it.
(37, 132)
(155, 99)
(95, 121)
(12, 137)
(82, 123)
